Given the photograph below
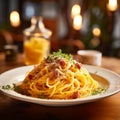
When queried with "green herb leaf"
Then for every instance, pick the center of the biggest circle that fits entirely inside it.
(6, 87)
(59, 54)
(98, 91)
(9, 87)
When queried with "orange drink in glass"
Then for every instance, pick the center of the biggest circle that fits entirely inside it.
(36, 41)
(35, 50)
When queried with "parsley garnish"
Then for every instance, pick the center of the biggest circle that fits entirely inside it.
(59, 54)
(9, 87)
(6, 87)
(98, 91)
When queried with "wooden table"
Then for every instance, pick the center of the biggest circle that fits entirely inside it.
(104, 109)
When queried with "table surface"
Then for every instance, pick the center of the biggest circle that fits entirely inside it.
(104, 109)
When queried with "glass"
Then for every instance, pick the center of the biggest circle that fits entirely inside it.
(36, 41)
(11, 52)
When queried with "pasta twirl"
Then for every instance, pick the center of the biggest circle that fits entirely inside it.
(58, 77)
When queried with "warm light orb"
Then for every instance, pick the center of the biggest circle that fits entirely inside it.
(96, 32)
(75, 10)
(14, 19)
(112, 5)
(77, 22)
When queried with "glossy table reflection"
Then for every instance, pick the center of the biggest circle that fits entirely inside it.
(104, 109)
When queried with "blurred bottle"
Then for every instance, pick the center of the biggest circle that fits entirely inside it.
(36, 41)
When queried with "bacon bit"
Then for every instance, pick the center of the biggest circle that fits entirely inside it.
(62, 63)
(78, 65)
(75, 95)
(56, 73)
(30, 76)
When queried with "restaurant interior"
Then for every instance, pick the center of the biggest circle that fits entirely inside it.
(75, 24)
(32, 29)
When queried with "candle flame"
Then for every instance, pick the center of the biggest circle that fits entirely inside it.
(77, 22)
(14, 19)
(96, 32)
(75, 10)
(112, 5)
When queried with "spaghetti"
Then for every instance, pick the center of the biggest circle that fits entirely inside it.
(58, 77)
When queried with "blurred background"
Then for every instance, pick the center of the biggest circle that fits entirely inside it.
(75, 24)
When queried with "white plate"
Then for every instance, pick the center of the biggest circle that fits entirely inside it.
(110, 79)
